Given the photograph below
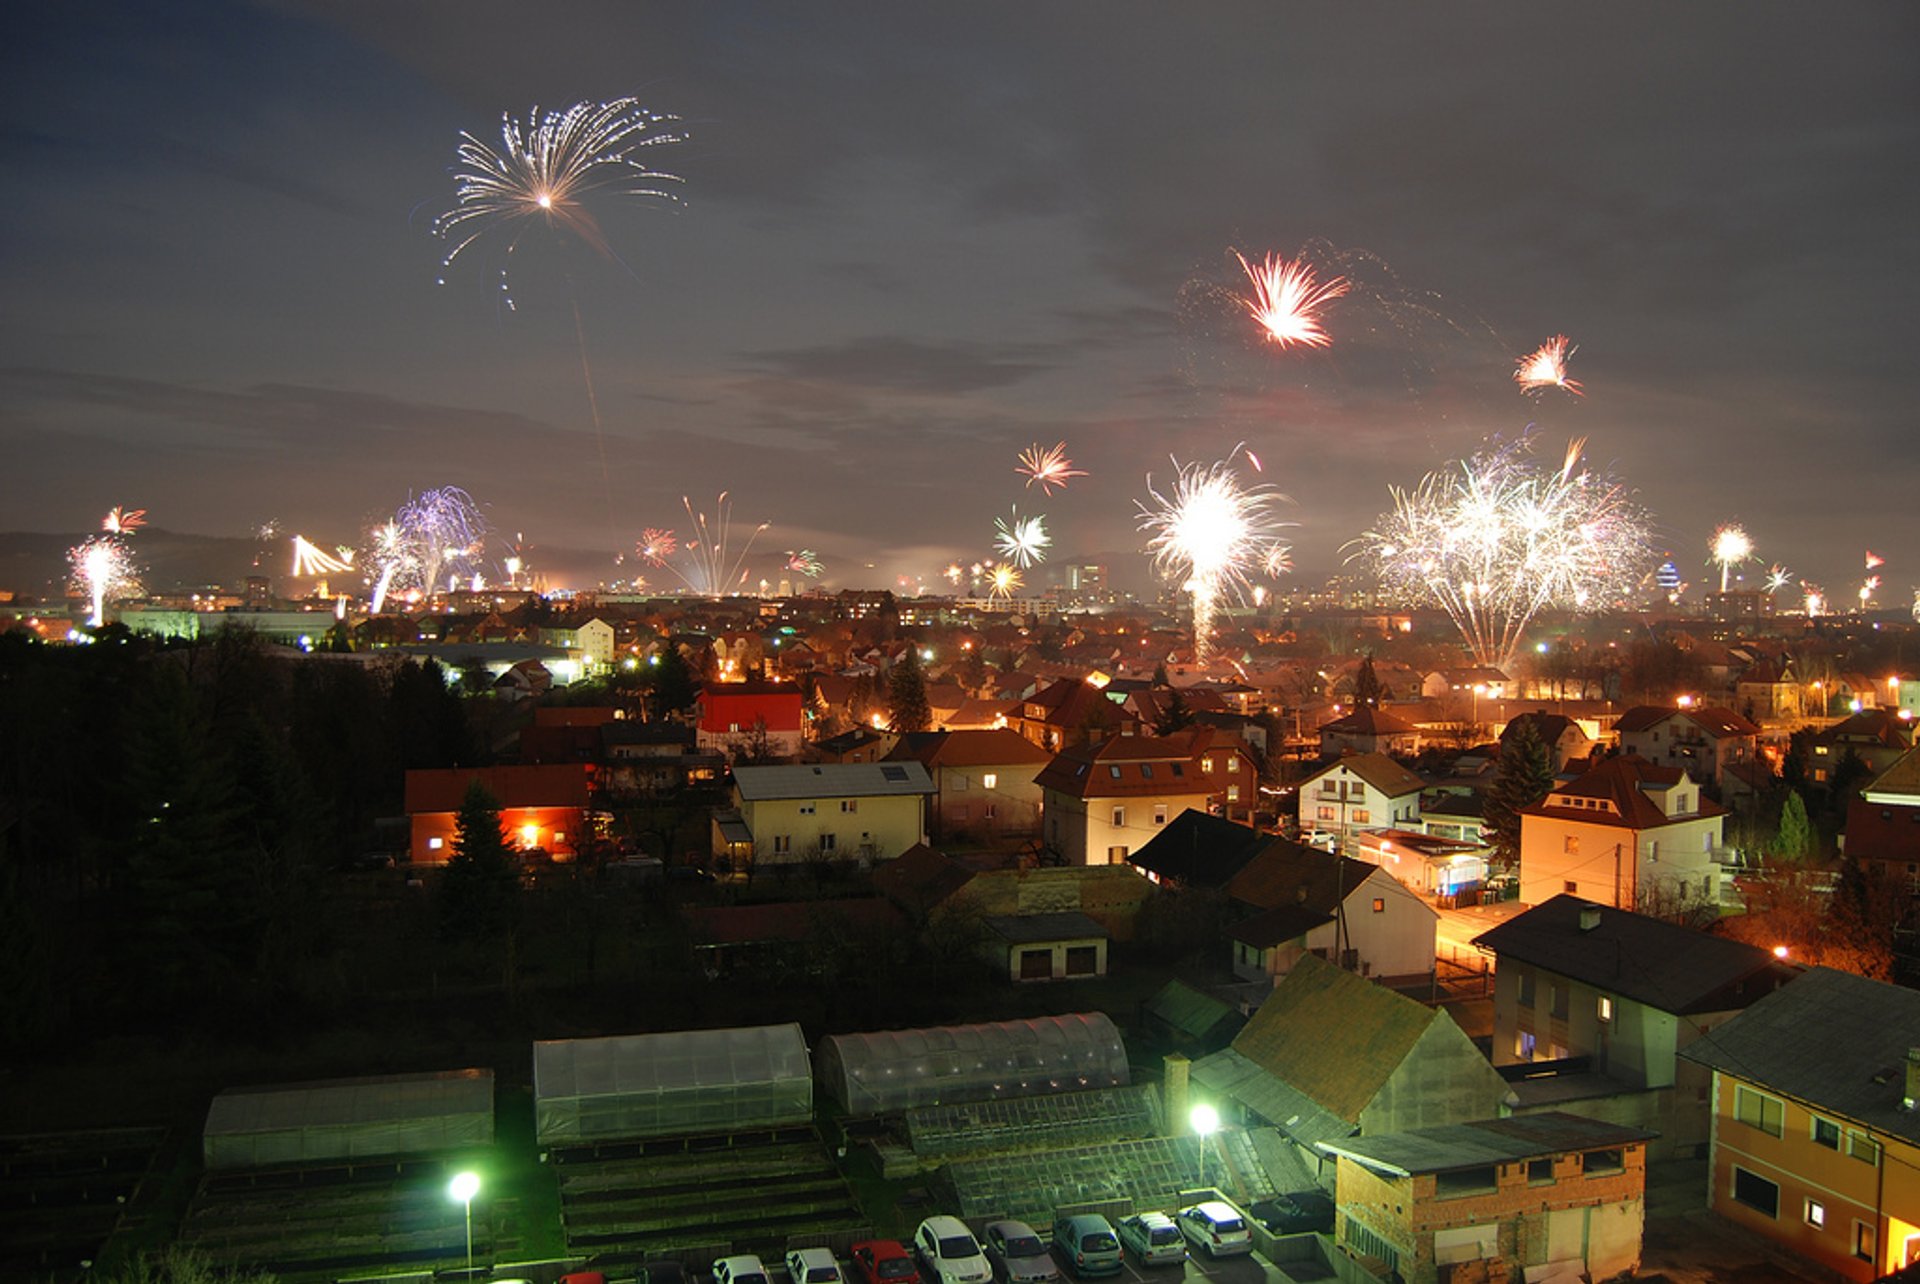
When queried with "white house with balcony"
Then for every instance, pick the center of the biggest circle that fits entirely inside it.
(1627, 833)
(1359, 791)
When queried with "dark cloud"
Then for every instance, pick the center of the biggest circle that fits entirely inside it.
(905, 365)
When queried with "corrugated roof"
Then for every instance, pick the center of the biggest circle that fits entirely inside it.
(1665, 966)
(1451, 1147)
(832, 780)
(1830, 1039)
(1191, 1012)
(1059, 925)
(1333, 1036)
(1230, 1074)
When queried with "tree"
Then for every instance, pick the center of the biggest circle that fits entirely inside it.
(479, 895)
(1524, 776)
(1176, 715)
(1794, 840)
(1366, 685)
(672, 687)
(907, 708)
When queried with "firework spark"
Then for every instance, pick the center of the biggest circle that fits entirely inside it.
(546, 167)
(1778, 577)
(431, 544)
(1730, 547)
(310, 559)
(104, 570)
(707, 564)
(1004, 581)
(123, 521)
(1874, 560)
(1287, 299)
(1496, 538)
(1047, 465)
(1022, 539)
(805, 562)
(656, 545)
(1546, 367)
(1213, 534)
(1814, 599)
(954, 573)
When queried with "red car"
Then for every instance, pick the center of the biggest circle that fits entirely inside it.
(883, 1261)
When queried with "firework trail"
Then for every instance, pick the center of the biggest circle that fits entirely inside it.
(1024, 540)
(1730, 546)
(123, 521)
(1287, 299)
(706, 563)
(1546, 367)
(1495, 538)
(103, 570)
(310, 559)
(1047, 465)
(1213, 534)
(805, 562)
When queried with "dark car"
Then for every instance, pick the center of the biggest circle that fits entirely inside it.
(1306, 1210)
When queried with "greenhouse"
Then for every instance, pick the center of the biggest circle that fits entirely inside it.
(893, 1070)
(659, 1085)
(391, 1115)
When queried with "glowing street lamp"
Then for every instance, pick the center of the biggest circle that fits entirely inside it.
(463, 1188)
(1206, 1121)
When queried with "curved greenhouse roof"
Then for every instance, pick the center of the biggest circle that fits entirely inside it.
(657, 1085)
(296, 1123)
(891, 1070)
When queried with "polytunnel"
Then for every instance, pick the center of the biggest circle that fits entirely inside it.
(886, 1071)
(390, 1115)
(658, 1085)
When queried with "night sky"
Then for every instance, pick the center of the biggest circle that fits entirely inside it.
(918, 238)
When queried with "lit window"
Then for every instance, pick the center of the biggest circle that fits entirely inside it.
(1571, 844)
(435, 844)
(849, 805)
(1606, 1008)
(1379, 904)
(559, 835)
(1362, 817)
(1206, 764)
(1816, 1213)
(990, 780)
(1233, 793)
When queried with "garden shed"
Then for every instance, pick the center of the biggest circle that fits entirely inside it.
(659, 1085)
(887, 1071)
(331, 1120)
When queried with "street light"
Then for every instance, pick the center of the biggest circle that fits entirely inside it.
(463, 1188)
(1206, 1121)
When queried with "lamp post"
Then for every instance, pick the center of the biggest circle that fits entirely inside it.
(1206, 1121)
(464, 1187)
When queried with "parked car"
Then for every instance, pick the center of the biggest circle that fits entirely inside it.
(948, 1252)
(1216, 1227)
(813, 1266)
(743, 1269)
(1087, 1245)
(1154, 1239)
(882, 1261)
(1306, 1210)
(1017, 1254)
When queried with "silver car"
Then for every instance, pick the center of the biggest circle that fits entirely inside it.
(1018, 1255)
(1153, 1238)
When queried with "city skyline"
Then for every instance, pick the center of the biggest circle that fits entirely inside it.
(912, 245)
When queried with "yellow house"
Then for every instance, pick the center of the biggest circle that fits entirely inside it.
(1816, 1138)
(864, 811)
(1628, 834)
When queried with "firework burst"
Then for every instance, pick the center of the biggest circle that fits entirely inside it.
(103, 570)
(656, 545)
(1287, 299)
(706, 563)
(1496, 538)
(1024, 540)
(432, 543)
(1778, 577)
(805, 562)
(1212, 534)
(1730, 546)
(1004, 581)
(1047, 465)
(544, 171)
(1546, 367)
(123, 521)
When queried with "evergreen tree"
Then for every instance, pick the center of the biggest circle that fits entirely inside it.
(975, 671)
(672, 687)
(1794, 841)
(480, 891)
(907, 708)
(1366, 685)
(1176, 715)
(1524, 776)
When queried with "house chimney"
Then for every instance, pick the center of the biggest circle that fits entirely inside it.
(1175, 1093)
(1913, 1078)
(1589, 917)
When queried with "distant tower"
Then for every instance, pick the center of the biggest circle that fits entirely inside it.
(259, 591)
(1668, 577)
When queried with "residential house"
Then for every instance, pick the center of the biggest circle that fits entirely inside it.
(1197, 850)
(1544, 1196)
(1877, 737)
(1816, 1135)
(1329, 1055)
(1563, 737)
(1304, 901)
(1883, 823)
(1103, 801)
(1449, 871)
(1067, 713)
(861, 744)
(864, 811)
(1702, 739)
(653, 758)
(547, 807)
(1060, 945)
(1768, 692)
(1616, 995)
(1628, 834)
(593, 641)
(1457, 816)
(1359, 791)
(729, 714)
(929, 885)
(1462, 685)
(1369, 730)
(983, 782)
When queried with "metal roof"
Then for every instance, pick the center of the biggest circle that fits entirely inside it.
(1451, 1147)
(1031, 929)
(832, 780)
